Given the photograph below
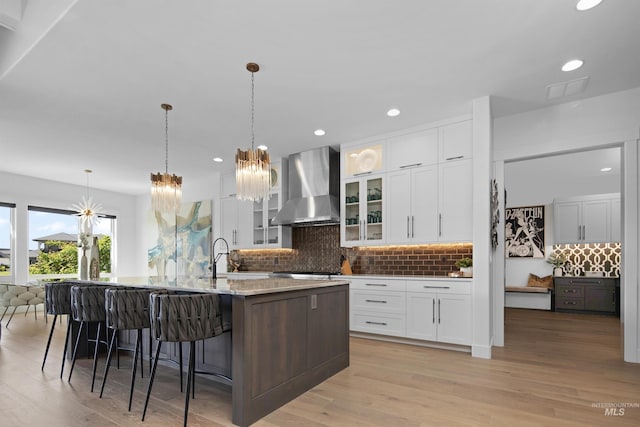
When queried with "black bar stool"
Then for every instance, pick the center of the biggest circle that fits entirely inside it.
(58, 303)
(126, 309)
(87, 306)
(182, 318)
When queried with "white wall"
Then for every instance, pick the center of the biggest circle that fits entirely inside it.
(608, 119)
(25, 191)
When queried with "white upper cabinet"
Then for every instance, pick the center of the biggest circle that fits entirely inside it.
(428, 194)
(455, 201)
(413, 150)
(235, 220)
(587, 219)
(362, 160)
(455, 141)
(361, 211)
(616, 220)
(412, 208)
(228, 185)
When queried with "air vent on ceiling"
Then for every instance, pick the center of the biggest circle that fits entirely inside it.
(569, 88)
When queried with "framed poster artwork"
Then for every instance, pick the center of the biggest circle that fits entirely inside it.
(524, 232)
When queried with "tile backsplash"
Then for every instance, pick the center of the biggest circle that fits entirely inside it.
(318, 249)
(604, 257)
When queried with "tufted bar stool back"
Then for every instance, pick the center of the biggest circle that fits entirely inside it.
(88, 305)
(183, 318)
(126, 309)
(58, 303)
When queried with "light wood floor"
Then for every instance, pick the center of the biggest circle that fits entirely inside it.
(552, 370)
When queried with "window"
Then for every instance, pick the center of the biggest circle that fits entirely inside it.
(6, 231)
(53, 241)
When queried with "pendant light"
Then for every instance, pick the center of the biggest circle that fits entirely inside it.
(253, 167)
(166, 189)
(87, 212)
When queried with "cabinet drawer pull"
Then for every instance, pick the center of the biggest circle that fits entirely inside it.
(569, 303)
(411, 166)
(376, 323)
(454, 158)
(361, 173)
(586, 282)
(436, 287)
(376, 300)
(375, 284)
(572, 291)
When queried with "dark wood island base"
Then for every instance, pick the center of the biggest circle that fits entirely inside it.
(284, 344)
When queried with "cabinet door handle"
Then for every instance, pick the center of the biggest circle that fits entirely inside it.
(376, 323)
(436, 287)
(613, 297)
(376, 300)
(411, 165)
(579, 232)
(412, 222)
(362, 173)
(440, 224)
(454, 158)
(407, 226)
(438, 311)
(584, 232)
(433, 311)
(375, 284)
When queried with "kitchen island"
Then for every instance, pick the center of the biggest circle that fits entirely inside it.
(288, 335)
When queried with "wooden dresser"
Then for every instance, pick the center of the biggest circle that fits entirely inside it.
(587, 294)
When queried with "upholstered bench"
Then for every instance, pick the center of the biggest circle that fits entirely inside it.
(17, 296)
(538, 294)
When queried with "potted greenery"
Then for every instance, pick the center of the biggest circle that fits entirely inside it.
(558, 260)
(466, 266)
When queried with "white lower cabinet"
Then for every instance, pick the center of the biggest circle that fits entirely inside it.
(439, 311)
(430, 310)
(378, 306)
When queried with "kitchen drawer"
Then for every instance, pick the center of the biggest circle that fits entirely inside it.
(381, 301)
(569, 291)
(385, 324)
(568, 303)
(439, 286)
(376, 284)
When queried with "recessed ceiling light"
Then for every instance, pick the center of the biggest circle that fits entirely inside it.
(587, 4)
(574, 64)
(262, 147)
(319, 132)
(605, 169)
(393, 112)
(217, 159)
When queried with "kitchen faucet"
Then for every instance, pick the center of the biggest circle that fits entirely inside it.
(217, 257)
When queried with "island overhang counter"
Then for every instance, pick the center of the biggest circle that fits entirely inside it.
(288, 335)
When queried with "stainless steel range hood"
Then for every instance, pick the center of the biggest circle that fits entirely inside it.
(314, 186)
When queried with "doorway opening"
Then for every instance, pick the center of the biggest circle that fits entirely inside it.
(571, 176)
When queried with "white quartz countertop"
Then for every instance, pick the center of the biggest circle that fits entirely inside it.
(227, 286)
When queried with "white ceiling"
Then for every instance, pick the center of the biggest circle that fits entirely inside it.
(88, 92)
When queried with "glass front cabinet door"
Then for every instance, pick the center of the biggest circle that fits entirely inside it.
(362, 207)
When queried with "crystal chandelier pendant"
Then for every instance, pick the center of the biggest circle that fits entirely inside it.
(166, 188)
(253, 167)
